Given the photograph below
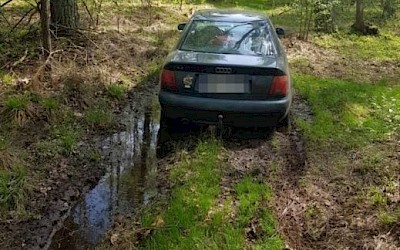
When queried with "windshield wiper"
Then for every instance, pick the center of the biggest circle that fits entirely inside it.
(234, 27)
(237, 44)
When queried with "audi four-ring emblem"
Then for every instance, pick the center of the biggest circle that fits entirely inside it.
(223, 70)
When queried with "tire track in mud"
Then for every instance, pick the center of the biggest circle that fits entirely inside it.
(256, 157)
(288, 205)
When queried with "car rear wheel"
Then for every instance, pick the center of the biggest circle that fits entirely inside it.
(176, 125)
(167, 123)
(284, 125)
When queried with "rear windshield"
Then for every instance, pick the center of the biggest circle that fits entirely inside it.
(251, 38)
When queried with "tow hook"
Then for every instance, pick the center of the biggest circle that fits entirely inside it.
(220, 125)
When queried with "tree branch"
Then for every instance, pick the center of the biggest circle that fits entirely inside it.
(22, 18)
(88, 11)
(7, 2)
(21, 59)
(5, 18)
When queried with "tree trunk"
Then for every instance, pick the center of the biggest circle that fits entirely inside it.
(64, 16)
(359, 25)
(45, 26)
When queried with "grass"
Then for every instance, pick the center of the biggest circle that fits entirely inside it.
(389, 219)
(64, 139)
(6, 79)
(377, 48)
(116, 91)
(99, 116)
(351, 144)
(17, 109)
(7, 157)
(349, 114)
(50, 104)
(83, 91)
(13, 191)
(197, 183)
(197, 215)
(16, 102)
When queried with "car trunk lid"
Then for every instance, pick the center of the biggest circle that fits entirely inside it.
(209, 75)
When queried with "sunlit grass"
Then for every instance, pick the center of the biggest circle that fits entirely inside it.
(198, 186)
(389, 219)
(380, 48)
(197, 218)
(6, 79)
(17, 109)
(116, 91)
(353, 136)
(349, 114)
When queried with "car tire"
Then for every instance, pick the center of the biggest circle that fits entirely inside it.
(285, 124)
(165, 122)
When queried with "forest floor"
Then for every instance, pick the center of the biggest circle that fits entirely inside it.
(332, 182)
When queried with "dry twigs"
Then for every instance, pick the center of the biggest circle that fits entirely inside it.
(32, 12)
(21, 59)
(40, 74)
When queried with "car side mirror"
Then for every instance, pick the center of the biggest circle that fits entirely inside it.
(280, 31)
(181, 26)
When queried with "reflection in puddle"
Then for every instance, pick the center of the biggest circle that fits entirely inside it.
(129, 183)
(130, 180)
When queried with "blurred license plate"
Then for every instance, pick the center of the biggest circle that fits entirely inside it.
(213, 83)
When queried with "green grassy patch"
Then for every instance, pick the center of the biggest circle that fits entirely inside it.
(99, 116)
(379, 48)
(50, 104)
(197, 187)
(253, 197)
(6, 79)
(349, 114)
(351, 142)
(64, 140)
(13, 191)
(17, 109)
(116, 91)
(197, 215)
(389, 218)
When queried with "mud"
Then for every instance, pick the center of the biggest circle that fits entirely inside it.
(250, 153)
(81, 198)
(54, 203)
(128, 184)
(129, 181)
(279, 159)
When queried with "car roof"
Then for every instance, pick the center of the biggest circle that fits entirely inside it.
(228, 15)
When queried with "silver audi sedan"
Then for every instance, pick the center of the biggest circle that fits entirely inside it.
(228, 67)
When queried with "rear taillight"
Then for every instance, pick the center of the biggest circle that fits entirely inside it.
(168, 80)
(279, 86)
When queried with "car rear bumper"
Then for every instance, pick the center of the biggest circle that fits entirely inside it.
(241, 113)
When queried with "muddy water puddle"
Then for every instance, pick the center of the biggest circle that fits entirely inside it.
(129, 183)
